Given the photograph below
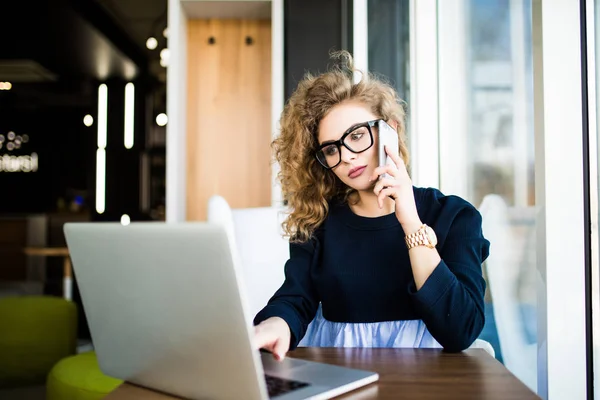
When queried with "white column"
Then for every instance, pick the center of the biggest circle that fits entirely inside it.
(559, 196)
(454, 168)
(277, 87)
(177, 113)
(423, 105)
(520, 111)
(360, 36)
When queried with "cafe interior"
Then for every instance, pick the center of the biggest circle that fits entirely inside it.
(110, 111)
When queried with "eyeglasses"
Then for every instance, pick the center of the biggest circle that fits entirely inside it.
(357, 139)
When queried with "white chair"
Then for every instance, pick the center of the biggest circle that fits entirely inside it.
(258, 247)
(519, 356)
(482, 344)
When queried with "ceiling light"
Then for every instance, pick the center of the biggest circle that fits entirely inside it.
(151, 43)
(162, 119)
(88, 120)
(5, 85)
(11, 135)
(163, 63)
(125, 220)
(166, 32)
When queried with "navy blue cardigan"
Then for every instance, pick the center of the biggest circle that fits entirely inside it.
(358, 268)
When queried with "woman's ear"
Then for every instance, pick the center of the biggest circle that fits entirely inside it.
(394, 125)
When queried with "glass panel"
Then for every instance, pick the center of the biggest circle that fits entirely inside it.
(389, 42)
(595, 194)
(493, 52)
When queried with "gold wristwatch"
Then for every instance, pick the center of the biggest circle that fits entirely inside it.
(425, 236)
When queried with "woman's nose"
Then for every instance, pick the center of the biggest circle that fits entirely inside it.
(347, 155)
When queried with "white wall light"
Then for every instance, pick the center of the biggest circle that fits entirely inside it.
(125, 220)
(88, 120)
(100, 180)
(151, 43)
(129, 114)
(162, 119)
(101, 152)
(102, 115)
(165, 54)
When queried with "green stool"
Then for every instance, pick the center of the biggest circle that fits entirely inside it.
(35, 333)
(79, 378)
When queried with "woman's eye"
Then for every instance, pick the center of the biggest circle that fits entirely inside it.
(330, 150)
(356, 135)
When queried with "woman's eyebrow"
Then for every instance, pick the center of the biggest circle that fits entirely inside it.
(328, 142)
(353, 127)
(346, 131)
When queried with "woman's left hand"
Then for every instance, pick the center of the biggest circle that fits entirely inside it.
(398, 186)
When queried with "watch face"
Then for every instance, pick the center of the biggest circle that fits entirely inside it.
(431, 235)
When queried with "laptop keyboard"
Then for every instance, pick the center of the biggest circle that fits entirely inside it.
(278, 386)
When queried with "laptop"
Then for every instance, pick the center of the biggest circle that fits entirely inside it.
(166, 310)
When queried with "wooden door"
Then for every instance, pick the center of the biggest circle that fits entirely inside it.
(228, 114)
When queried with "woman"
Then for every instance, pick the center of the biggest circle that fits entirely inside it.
(374, 261)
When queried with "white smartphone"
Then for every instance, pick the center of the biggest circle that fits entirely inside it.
(387, 136)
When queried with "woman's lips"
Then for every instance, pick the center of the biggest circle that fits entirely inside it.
(356, 172)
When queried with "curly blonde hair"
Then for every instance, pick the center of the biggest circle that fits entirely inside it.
(308, 187)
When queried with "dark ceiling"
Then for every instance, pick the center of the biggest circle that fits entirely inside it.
(142, 19)
(54, 52)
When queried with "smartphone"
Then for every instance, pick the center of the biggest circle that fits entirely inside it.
(387, 137)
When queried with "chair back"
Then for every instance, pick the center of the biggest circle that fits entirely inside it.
(258, 247)
(503, 275)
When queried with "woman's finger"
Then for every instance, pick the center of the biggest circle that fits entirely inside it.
(391, 170)
(382, 183)
(394, 156)
(260, 338)
(264, 338)
(280, 349)
(402, 171)
(387, 192)
(387, 169)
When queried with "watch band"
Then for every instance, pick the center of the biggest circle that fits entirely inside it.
(419, 238)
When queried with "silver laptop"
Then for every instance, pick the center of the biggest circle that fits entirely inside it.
(166, 309)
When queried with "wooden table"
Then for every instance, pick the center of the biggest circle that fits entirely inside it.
(403, 374)
(67, 270)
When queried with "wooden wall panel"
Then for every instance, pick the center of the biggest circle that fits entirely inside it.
(229, 114)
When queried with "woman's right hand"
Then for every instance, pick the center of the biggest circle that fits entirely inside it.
(273, 334)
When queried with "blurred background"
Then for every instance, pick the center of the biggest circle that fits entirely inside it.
(54, 56)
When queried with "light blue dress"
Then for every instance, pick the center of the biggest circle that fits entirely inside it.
(324, 333)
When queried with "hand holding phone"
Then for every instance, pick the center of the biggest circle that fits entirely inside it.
(387, 136)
